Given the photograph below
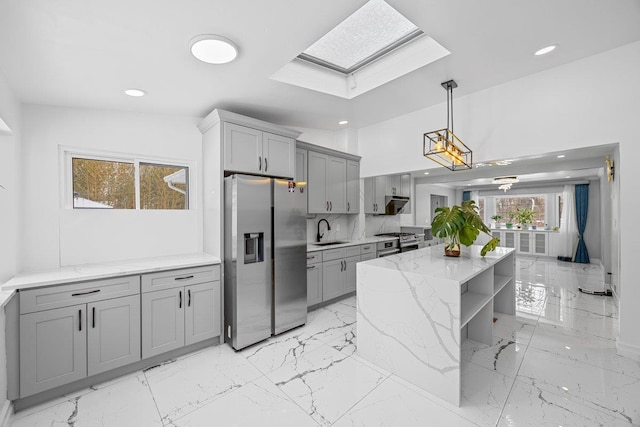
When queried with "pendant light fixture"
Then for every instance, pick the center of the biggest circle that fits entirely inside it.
(442, 145)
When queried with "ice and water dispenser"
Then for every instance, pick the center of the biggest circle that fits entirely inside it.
(253, 247)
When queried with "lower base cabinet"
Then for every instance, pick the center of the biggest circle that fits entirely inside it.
(173, 318)
(314, 284)
(63, 345)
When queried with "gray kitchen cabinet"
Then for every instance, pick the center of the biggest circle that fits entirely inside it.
(392, 183)
(405, 191)
(53, 348)
(353, 187)
(374, 194)
(327, 185)
(113, 333)
(253, 151)
(179, 308)
(332, 279)
(314, 284)
(162, 321)
(301, 165)
(349, 273)
(202, 314)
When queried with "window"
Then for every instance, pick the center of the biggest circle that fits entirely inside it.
(103, 183)
(372, 31)
(504, 205)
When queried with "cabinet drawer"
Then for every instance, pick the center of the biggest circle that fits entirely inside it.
(369, 248)
(331, 254)
(314, 257)
(368, 256)
(352, 251)
(179, 278)
(51, 297)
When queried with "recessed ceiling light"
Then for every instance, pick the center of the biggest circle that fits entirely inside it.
(561, 156)
(343, 122)
(426, 173)
(135, 92)
(565, 388)
(213, 49)
(545, 50)
(567, 347)
(567, 177)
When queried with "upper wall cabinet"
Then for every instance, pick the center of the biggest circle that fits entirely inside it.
(378, 188)
(252, 151)
(333, 180)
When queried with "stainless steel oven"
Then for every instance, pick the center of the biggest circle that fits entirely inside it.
(387, 248)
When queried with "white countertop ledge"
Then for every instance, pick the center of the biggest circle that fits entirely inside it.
(431, 261)
(84, 272)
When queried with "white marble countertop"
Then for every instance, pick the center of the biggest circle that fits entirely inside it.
(313, 248)
(78, 273)
(432, 262)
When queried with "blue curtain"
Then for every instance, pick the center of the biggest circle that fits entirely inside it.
(582, 206)
(466, 195)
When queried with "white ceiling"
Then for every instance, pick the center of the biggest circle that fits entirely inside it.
(84, 53)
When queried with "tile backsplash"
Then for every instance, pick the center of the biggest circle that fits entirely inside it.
(376, 224)
(343, 227)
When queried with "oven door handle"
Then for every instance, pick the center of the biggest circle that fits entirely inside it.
(389, 252)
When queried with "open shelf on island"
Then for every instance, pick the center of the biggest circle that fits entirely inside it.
(500, 282)
(471, 304)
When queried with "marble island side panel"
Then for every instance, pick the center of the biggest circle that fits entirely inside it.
(409, 314)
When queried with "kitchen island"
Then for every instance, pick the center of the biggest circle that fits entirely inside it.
(416, 308)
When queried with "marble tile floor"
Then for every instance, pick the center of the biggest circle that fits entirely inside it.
(552, 364)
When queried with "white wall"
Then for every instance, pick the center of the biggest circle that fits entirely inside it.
(52, 235)
(568, 107)
(423, 193)
(10, 146)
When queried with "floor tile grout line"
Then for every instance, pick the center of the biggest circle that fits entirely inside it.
(155, 402)
(385, 379)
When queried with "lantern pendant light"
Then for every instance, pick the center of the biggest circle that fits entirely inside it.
(442, 145)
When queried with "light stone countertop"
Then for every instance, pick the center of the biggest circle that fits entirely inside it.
(432, 262)
(84, 272)
(314, 248)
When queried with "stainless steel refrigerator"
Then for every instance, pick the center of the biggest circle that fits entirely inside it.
(265, 247)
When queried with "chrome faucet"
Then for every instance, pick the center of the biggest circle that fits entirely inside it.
(319, 236)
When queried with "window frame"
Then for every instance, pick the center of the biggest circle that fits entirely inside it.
(67, 154)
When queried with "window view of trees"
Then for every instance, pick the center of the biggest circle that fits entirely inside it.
(504, 205)
(163, 187)
(105, 184)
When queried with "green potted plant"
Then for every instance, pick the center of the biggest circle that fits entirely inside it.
(461, 224)
(525, 216)
(496, 218)
(512, 216)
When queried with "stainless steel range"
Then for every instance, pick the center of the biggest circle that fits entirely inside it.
(405, 242)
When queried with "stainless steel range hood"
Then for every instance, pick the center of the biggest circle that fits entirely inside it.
(394, 204)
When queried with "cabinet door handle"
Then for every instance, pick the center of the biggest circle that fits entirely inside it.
(80, 320)
(327, 206)
(266, 165)
(330, 206)
(345, 265)
(93, 315)
(311, 267)
(348, 207)
(189, 296)
(95, 291)
(259, 163)
(366, 247)
(311, 257)
(184, 277)
(180, 302)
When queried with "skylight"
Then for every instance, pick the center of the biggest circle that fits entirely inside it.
(372, 31)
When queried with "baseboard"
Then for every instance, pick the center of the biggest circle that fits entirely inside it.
(5, 414)
(628, 350)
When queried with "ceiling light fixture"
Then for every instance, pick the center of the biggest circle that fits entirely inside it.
(561, 156)
(426, 173)
(343, 122)
(135, 92)
(505, 180)
(505, 187)
(545, 50)
(213, 49)
(444, 147)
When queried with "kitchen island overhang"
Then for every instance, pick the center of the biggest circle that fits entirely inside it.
(415, 309)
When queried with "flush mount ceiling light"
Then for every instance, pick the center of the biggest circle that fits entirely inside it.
(343, 122)
(135, 92)
(213, 49)
(442, 145)
(545, 50)
(505, 180)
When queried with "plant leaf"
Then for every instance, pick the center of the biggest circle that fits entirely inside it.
(490, 246)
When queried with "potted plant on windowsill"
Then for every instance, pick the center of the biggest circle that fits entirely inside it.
(525, 216)
(496, 218)
(512, 215)
(461, 224)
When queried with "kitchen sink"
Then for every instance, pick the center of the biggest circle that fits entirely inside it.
(337, 242)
